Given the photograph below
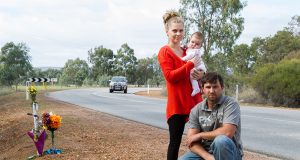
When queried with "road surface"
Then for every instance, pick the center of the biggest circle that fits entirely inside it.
(270, 131)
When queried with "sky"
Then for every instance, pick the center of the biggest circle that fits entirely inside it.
(58, 30)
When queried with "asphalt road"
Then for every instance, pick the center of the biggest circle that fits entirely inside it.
(269, 131)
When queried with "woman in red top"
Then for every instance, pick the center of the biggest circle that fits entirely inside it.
(176, 73)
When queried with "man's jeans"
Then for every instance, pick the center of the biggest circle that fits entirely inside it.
(222, 148)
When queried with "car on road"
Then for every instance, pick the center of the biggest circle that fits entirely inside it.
(118, 83)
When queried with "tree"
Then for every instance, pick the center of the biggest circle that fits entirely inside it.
(277, 47)
(294, 25)
(157, 77)
(74, 72)
(242, 59)
(219, 21)
(53, 73)
(144, 70)
(125, 63)
(101, 60)
(37, 72)
(273, 49)
(15, 63)
(149, 72)
(220, 63)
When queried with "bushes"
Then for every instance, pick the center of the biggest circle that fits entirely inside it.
(279, 83)
(103, 80)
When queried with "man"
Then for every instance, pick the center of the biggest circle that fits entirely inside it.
(214, 124)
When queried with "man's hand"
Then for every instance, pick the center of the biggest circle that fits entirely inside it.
(193, 138)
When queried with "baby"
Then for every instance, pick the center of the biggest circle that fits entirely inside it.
(193, 50)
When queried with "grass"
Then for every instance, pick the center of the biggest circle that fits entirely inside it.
(46, 87)
(4, 90)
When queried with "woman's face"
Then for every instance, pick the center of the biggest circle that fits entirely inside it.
(175, 32)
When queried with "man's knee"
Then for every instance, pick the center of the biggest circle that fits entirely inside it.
(224, 148)
(221, 141)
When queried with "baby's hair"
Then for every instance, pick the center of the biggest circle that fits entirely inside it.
(171, 16)
(198, 35)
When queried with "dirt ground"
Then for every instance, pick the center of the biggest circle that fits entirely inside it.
(84, 134)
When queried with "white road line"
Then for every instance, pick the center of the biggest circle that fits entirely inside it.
(118, 98)
(273, 119)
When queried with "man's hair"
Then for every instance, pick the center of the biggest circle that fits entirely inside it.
(212, 77)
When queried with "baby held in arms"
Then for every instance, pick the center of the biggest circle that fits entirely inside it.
(193, 50)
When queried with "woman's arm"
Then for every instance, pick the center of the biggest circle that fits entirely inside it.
(167, 64)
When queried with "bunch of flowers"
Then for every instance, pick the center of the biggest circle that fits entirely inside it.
(33, 92)
(51, 121)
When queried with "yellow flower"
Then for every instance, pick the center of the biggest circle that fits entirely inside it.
(33, 92)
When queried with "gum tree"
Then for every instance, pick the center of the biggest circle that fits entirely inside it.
(220, 22)
(15, 63)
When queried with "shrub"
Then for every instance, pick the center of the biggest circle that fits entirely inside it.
(103, 81)
(279, 83)
(89, 82)
(249, 95)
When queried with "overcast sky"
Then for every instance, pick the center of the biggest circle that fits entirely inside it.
(58, 30)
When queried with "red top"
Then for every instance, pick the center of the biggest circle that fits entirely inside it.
(177, 75)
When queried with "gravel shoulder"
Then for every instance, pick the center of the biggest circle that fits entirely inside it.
(84, 134)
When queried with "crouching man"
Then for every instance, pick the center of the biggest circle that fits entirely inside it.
(214, 127)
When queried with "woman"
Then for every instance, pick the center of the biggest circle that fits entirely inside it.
(176, 73)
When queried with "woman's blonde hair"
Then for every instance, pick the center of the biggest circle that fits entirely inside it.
(171, 16)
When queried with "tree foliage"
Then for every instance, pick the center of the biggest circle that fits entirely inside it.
(53, 73)
(219, 21)
(125, 63)
(74, 72)
(143, 71)
(49, 73)
(277, 47)
(102, 61)
(14, 63)
(106, 63)
(149, 72)
(157, 77)
(294, 25)
(242, 60)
